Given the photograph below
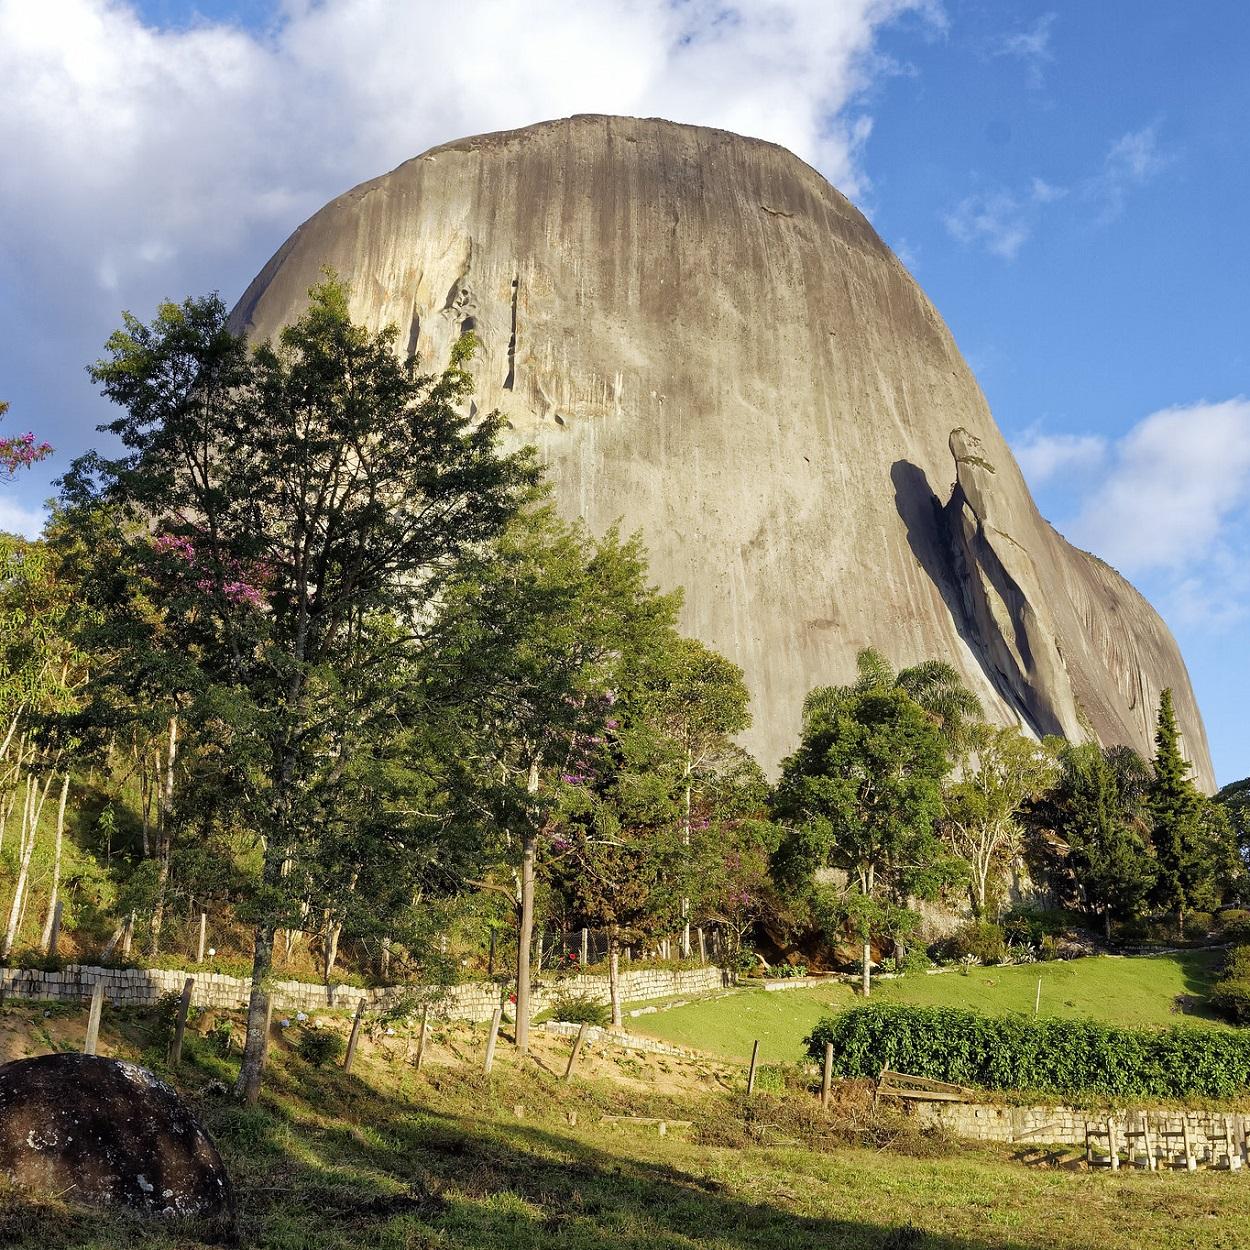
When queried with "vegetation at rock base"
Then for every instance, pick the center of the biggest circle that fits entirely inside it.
(312, 674)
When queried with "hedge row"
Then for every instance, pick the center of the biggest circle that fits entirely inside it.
(1046, 1056)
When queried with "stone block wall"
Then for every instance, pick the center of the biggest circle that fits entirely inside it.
(1066, 1126)
(474, 1000)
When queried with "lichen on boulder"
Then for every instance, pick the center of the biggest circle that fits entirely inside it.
(104, 1131)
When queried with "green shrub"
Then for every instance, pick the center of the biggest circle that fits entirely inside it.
(1235, 925)
(1068, 1057)
(789, 970)
(1048, 948)
(978, 940)
(318, 1047)
(1230, 996)
(580, 1009)
(1198, 922)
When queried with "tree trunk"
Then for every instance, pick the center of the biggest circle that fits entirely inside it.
(1180, 921)
(525, 933)
(165, 835)
(685, 841)
(867, 974)
(25, 850)
(336, 931)
(56, 865)
(525, 937)
(256, 1046)
(1106, 920)
(614, 975)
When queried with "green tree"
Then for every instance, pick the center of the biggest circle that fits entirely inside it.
(548, 629)
(699, 701)
(1183, 851)
(934, 684)
(1100, 815)
(983, 808)
(312, 498)
(862, 794)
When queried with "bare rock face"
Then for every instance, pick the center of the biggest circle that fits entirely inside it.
(709, 343)
(105, 1131)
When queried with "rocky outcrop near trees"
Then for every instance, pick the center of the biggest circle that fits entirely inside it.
(708, 342)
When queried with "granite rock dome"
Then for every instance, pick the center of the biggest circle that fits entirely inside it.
(708, 342)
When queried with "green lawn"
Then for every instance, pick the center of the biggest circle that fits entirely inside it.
(442, 1160)
(1139, 993)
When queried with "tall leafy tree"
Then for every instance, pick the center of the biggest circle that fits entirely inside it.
(1099, 809)
(314, 494)
(1006, 771)
(698, 700)
(862, 794)
(549, 628)
(1183, 851)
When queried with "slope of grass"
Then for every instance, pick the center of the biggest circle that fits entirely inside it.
(1142, 992)
(390, 1158)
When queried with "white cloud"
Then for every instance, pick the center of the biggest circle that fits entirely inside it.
(1001, 221)
(17, 518)
(1173, 507)
(1133, 160)
(144, 162)
(1043, 457)
(1030, 46)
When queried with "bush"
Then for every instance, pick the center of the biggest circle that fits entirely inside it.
(1235, 925)
(1231, 994)
(580, 1009)
(319, 1047)
(789, 970)
(1048, 948)
(975, 940)
(1068, 1057)
(1198, 922)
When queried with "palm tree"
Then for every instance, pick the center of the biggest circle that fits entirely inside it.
(934, 684)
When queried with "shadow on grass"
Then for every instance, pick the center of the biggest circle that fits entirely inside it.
(328, 1163)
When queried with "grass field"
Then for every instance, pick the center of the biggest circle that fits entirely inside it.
(393, 1159)
(1138, 993)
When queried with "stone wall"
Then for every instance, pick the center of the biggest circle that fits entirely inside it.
(1066, 1126)
(474, 1000)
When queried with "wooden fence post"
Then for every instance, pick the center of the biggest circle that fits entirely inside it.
(93, 1019)
(826, 1081)
(492, 1037)
(180, 1022)
(1191, 1163)
(350, 1057)
(755, 1054)
(577, 1050)
(585, 951)
(425, 1021)
(1152, 1163)
(1113, 1146)
(199, 951)
(1037, 1001)
(702, 945)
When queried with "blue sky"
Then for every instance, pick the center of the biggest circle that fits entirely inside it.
(1068, 181)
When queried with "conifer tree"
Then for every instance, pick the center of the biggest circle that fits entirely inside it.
(1175, 810)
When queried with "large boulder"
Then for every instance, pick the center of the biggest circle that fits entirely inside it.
(105, 1131)
(706, 341)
